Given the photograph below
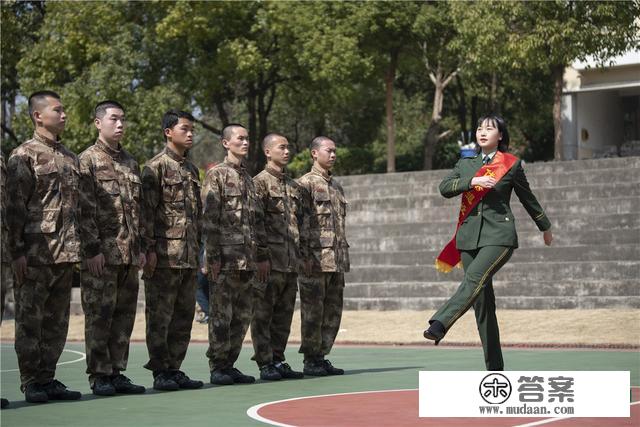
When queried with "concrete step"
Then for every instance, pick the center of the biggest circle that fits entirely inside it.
(566, 223)
(507, 303)
(527, 239)
(568, 288)
(628, 252)
(397, 198)
(589, 167)
(449, 210)
(512, 271)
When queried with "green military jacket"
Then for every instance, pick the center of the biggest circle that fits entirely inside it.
(171, 209)
(110, 192)
(491, 222)
(42, 202)
(326, 211)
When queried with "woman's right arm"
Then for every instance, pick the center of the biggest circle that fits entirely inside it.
(455, 183)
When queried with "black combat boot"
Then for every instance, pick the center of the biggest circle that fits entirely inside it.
(123, 385)
(331, 370)
(57, 391)
(269, 373)
(220, 377)
(34, 393)
(102, 386)
(238, 377)
(162, 381)
(185, 382)
(314, 368)
(3, 403)
(286, 372)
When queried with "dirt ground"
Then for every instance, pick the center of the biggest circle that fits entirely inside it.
(606, 327)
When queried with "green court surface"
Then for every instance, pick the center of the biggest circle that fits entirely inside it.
(368, 368)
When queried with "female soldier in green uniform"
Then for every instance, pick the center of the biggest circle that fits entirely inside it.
(486, 234)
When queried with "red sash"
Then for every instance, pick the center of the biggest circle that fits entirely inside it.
(501, 164)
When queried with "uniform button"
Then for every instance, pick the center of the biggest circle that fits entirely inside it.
(506, 219)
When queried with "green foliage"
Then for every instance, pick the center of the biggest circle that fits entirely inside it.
(303, 69)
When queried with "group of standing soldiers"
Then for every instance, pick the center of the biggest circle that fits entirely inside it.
(99, 210)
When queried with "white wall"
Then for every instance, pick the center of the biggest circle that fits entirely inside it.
(600, 114)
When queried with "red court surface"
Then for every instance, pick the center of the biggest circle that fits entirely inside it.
(400, 408)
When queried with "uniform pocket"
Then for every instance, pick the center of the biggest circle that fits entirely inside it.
(135, 184)
(172, 189)
(47, 223)
(108, 182)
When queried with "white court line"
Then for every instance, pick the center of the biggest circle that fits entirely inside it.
(253, 411)
(82, 357)
(552, 420)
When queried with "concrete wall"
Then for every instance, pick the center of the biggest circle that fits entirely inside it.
(598, 122)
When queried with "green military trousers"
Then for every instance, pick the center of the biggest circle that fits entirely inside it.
(321, 301)
(42, 320)
(109, 303)
(272, 315)
(477, 289)
(170, 296)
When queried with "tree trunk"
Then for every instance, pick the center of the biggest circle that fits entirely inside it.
(391, 127)
(431, 141)
(462, 112)
(558, 72)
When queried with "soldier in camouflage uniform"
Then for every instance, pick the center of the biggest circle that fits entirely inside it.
(6, 273)
(282, 200)
(42, 211)
(110, 190)
(171, 236)
(322, 285)
(235, 247)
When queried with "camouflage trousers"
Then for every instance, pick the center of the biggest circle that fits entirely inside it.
(321, 297)
(109, 303)
(272, 314)
(170, 296)
(42, 320)
(230, 311)
(6, 278)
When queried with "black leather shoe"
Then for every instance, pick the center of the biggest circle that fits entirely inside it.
(286, 372)
(185, 382)
(57, 391)
(163, 381)
(102, 386)
(3, 403)
(269, 373)
(314, 369)
(331, 370)
(435, 332)
(123, 385)
(238, 377)
(220, 377)
(34, 393)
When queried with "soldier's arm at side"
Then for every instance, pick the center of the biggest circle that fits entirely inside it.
(455, 183)
(261, 233)
(304, 215)
(211, 215)
(150, 202)
(20, 185)
(528, 199)
(89, 233)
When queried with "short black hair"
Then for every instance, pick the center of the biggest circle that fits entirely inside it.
(501, 124)
(227, 131)
(172, 117)
(315, 143)
(267, 140)
(39, 96)
(101, 108)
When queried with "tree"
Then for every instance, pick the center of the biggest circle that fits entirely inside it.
(548, 35)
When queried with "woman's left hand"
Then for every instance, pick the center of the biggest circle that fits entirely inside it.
(548, 237)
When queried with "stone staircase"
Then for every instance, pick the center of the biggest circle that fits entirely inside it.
(397, 224)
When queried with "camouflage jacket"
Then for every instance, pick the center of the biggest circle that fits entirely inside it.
(110, 189)
(171, 210)
(233, 223)
(284, 219)
(3, 211)
(327, 211)
(42, 205)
